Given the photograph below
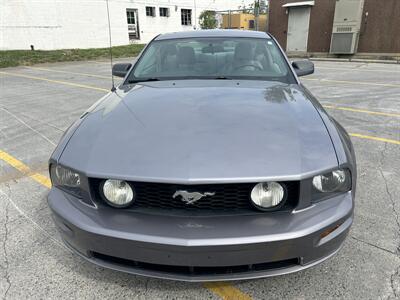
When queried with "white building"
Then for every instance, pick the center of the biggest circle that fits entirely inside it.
(65, 24)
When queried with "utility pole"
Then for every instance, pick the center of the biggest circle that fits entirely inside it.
(195, 15)
(256, 13)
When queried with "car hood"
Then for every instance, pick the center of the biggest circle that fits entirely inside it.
(194, 131)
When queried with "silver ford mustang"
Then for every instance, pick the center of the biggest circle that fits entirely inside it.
(210, 161)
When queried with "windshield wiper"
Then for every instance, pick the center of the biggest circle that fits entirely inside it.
(223, 78)
(177, 78)
(144, 80)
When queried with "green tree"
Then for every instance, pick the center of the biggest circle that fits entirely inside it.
(207, 20)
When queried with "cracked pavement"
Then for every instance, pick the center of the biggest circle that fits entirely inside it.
(34, 264)
(394, 278)
(6, 265)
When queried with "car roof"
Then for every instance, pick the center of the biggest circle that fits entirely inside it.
(212, 33)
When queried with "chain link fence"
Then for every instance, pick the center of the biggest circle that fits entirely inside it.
(244, 19)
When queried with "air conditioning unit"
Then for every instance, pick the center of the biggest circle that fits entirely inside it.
(346, 26)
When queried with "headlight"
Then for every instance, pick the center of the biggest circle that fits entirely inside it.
(118, 193)
(66, 179)
(267, 195)
(335, 181)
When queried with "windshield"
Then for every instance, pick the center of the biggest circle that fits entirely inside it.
(212, 58)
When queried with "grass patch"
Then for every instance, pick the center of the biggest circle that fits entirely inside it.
(13, 58)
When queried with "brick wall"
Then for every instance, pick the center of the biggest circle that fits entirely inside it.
(321, 21)
(380, 30)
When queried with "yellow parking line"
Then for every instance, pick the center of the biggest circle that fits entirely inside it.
(223, 290)
(56, 81)
(20, 166)
(375, 138)
(362, 111)
(226, 291)
(353, 82)
(69, 72)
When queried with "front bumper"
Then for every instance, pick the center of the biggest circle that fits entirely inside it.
(203, 248)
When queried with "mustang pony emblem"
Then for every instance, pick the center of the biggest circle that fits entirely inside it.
(190, 198)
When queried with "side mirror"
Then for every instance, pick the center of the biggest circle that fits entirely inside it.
(303, 67)
(120, 70)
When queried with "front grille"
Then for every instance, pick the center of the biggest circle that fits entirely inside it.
(233, 196)
(227, 196)
(193, 271)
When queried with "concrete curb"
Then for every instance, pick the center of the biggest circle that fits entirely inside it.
(359, 60)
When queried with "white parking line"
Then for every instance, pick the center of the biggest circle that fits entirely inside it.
(68, 72)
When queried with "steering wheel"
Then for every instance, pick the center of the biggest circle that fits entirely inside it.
(247, 65)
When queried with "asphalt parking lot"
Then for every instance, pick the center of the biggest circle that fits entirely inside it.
(38, 103)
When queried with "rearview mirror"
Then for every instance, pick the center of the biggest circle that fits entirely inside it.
(120, 70)
(303, 67)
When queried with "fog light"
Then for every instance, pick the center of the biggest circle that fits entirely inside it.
(118, 193)
(267, 195)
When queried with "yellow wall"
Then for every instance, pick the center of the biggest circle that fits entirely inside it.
(241, 21)
(262, 23)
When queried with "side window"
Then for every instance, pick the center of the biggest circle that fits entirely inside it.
(150, 11)
(251, 24)
(130, 16)
(186, 17)
(164, 12)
